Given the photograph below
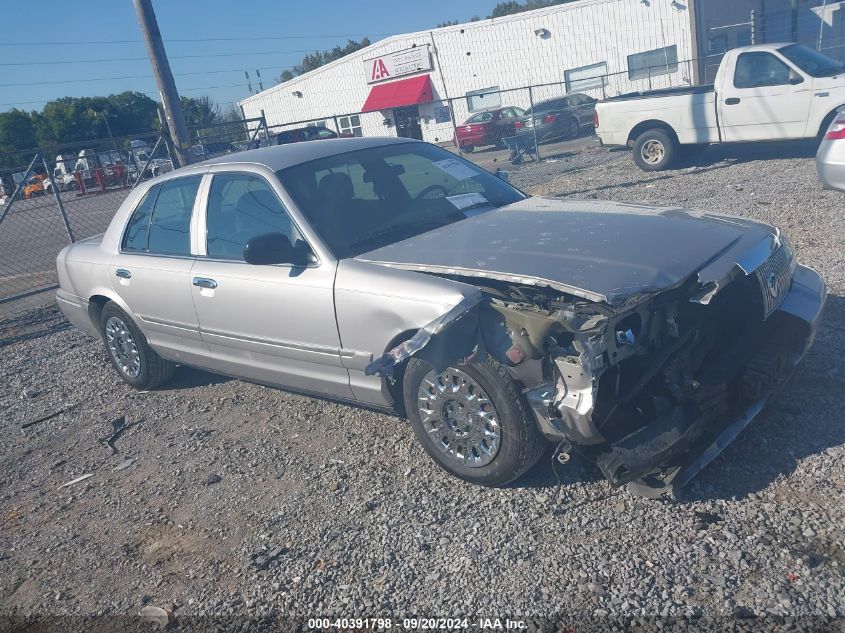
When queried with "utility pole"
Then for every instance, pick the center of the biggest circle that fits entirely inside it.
(164, 79)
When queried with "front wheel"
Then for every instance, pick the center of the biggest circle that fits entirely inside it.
(655, 150)
(130, 354)
(472, 420)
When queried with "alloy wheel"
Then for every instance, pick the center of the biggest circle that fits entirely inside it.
(460, 418)
(122, 347)
(653, 152)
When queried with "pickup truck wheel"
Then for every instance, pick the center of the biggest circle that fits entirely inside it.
(130, 354)
(654, 150)
(472, 420)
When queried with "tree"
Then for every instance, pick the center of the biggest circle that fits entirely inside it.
(512, 6)
(200, 111)
(17, 131)
(314, 60)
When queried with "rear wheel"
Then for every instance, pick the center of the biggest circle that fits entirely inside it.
(130, 354)
(472, 420)
(469, 149)
(655, 150)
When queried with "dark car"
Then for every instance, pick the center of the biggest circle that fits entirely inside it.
(487, 128)
(559, 118)
(309, 133)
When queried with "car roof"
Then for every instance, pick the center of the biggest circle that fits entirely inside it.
(282, 156)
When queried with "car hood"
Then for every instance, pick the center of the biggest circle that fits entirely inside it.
(601, 251)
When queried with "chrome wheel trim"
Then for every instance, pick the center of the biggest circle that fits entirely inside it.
(122, 347)
(652, 152)
(459, 417)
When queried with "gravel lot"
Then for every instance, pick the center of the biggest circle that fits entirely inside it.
(247, 502)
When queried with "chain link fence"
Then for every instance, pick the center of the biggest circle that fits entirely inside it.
(51, 198)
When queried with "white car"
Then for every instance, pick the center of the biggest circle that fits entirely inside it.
(762, 93)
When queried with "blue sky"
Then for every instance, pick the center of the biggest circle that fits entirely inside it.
(56, 42)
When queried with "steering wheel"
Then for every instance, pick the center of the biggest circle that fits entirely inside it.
(425, 193)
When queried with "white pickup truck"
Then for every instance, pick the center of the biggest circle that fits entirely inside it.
(762, 93)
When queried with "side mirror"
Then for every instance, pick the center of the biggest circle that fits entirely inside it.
(275, 248)
(795, 78)
(503, 175)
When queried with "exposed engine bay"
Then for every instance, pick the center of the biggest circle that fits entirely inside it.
(643, 387)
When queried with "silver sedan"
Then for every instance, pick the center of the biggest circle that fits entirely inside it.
(390, 273)
(830, 159)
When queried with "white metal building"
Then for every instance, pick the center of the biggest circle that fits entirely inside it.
(404, 85)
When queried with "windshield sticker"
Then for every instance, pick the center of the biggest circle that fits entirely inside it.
(456, 169)
(466, 200)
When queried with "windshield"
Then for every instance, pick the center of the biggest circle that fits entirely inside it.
(366, 199)
(811, 62)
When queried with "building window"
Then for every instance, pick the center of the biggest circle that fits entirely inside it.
(717, 45)
(586, 77)
(442, 114)
(484, 99)
(660, 61)
(350, 125)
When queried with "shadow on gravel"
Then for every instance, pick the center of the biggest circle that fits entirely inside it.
(190, 378)
(804, 420)
(747, 152)
(32, 325)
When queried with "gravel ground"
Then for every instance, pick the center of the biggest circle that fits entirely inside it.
(248, 504)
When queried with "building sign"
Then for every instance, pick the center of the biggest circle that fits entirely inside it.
(405, 62)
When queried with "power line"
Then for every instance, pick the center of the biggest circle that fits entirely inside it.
(197, 39)
(74, 81)
(135, 59)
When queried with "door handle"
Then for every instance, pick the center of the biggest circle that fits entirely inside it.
(123, 273)
(732, 101)
(205, 282)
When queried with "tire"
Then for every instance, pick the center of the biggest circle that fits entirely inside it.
(655, 150)
(516, 449)
(125, 343)
(469, 149)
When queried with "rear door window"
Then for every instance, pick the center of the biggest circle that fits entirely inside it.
(138, 230)
(170, 224)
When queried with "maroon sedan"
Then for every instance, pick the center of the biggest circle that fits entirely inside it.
(487, 128)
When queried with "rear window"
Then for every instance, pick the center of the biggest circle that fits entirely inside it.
(161, 225)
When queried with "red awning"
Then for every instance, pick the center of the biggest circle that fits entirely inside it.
(395, 94)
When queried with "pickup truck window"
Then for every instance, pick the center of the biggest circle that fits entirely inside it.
(757, 69)
(812, 62)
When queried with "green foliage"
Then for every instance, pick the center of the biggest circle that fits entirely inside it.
(316, 59)
(17, 131)
(200, 111)
(72, 119)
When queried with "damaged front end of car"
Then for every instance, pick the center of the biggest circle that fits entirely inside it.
(652, 385)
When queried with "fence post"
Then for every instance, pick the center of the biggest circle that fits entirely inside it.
(753, 27)
(149, 160)
(336, 124)
(58, 200)
(454, 127)
(821, 25)
(533, 121)
(649, 78)
(266, 130)
(20, 186)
